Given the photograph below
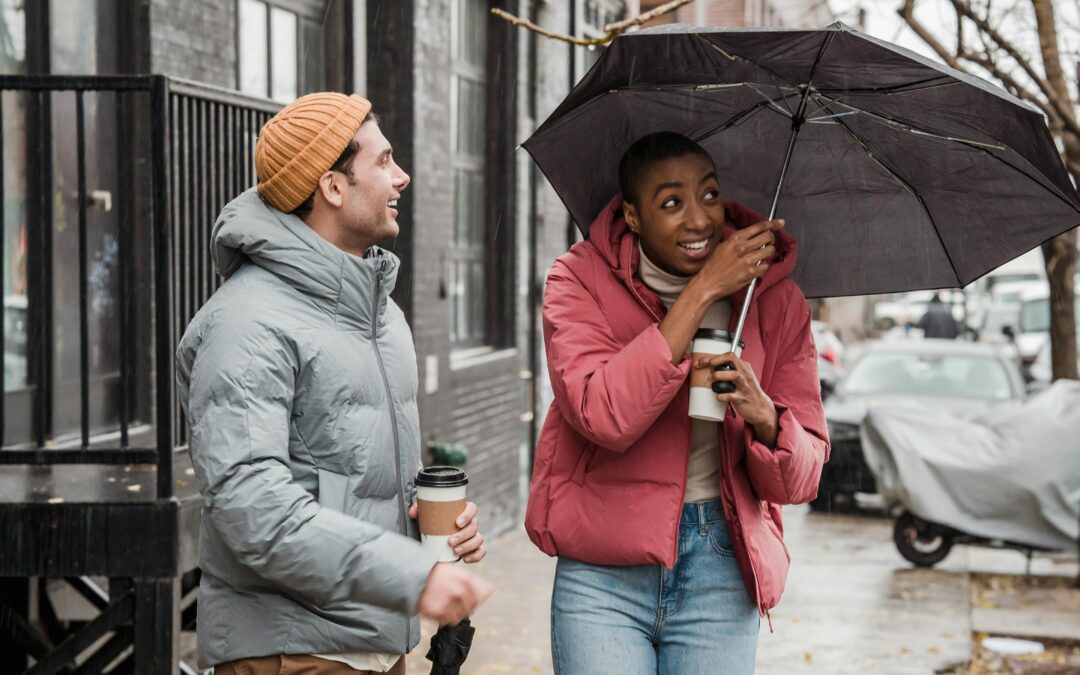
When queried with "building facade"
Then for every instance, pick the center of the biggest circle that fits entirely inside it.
(458, 90)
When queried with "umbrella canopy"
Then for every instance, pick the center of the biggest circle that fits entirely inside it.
(898, 173)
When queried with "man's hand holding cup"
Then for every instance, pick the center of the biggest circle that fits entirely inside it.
(467, 543)
(449, 528)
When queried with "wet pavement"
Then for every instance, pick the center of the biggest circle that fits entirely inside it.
(852, 604)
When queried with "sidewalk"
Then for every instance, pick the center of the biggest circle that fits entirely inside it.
(852, 604)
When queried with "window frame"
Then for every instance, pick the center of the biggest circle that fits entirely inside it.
(306, 14)
(497, 250)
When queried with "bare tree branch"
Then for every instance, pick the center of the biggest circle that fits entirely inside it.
(907, 13)
(1048, 101)
(1018, 90)
(619, 26)
(1063, 110)
(611, 30)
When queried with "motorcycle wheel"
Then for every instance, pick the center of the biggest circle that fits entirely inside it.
(921, 543)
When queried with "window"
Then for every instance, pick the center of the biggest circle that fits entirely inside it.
(469, 88)
(279, 51)
(14, 232)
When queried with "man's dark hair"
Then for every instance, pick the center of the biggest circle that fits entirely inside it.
(649, 150)
(343, 164)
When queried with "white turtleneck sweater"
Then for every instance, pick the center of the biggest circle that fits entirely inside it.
(703, 474)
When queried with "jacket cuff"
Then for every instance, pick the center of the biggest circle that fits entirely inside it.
(786, 437)
(783, 474)
(407, 573)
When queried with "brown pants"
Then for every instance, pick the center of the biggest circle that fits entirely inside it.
(296, 665)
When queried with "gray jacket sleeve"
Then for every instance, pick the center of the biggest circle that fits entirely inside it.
(238, 396)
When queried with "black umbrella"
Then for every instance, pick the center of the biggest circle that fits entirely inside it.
(449, 648)
(893, 172)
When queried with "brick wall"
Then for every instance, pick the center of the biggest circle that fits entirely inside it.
(194, 39)
(477, 404)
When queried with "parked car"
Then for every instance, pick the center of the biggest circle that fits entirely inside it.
(1034, 323)
(958, 376)
(1011, 291)
(830, 351)
(1041, 372)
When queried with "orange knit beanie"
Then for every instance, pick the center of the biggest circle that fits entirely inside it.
(302, 142)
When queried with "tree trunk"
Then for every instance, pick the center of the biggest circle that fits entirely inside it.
(1059, 253)
(1060, 256)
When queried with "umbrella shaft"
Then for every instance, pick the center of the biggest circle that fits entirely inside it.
(772, 214)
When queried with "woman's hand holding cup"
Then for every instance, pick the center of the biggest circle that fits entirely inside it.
(748, 399)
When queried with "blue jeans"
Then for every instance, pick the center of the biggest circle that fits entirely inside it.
(648, 620)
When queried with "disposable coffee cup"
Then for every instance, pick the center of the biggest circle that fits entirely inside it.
(703, 402)
(440, 500)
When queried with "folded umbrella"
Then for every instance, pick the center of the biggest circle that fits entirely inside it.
(449, 648)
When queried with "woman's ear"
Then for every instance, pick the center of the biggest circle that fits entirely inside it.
(629, 213)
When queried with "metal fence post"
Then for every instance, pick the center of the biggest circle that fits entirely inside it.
(163, 361)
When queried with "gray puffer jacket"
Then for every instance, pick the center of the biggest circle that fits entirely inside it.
(299, 381)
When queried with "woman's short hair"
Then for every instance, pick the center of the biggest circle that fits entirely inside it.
(649, 150)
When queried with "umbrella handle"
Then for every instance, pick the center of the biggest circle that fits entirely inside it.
(724, 387)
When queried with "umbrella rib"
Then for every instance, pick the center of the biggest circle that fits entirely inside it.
(785, 111)
(732, 121)
(931, 83)
(984, 147)
(869, 153)
(911, 128)
(907, 186)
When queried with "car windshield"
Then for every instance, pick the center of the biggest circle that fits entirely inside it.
(948, 375)
(1012, 295)
(1035, 315)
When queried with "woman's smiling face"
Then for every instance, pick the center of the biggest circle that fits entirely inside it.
(677, 213)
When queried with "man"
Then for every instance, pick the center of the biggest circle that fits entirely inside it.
(938, 322)
(299, 382)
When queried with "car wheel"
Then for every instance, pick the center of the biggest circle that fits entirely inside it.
(922, 543)
(832, 501)
(821, 503)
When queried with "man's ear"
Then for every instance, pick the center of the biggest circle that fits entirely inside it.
(328, 188)
(629, 212)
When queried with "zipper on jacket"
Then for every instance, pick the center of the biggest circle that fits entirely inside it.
(393, 421)
(762, 610)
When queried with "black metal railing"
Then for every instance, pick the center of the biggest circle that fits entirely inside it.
(212, 136)
(181, 151)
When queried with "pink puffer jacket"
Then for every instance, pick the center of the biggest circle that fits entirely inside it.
(611, 462)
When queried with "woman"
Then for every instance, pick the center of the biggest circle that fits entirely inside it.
(668, 529)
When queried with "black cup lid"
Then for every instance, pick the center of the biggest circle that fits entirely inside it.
(441, 477)
(716, 334)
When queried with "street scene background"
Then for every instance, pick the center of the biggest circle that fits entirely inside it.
(89, 330)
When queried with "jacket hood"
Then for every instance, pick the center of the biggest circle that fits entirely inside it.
(617, 245)
(249, 230)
